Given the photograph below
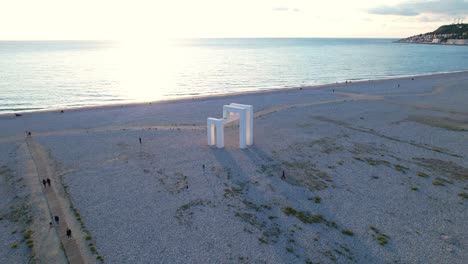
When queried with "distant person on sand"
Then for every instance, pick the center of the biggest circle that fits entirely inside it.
(139, 140)
(56, 219)
(283, 177)
(44, 182)
(48, 181)
(29, 133)
(68, 233)
(50, 224)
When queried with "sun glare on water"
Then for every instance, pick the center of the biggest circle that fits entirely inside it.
(145, 69)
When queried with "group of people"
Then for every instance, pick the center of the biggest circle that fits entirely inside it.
(46, 182)
(57, 221)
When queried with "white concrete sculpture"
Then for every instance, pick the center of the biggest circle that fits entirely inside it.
(232, 112)
(215, 125)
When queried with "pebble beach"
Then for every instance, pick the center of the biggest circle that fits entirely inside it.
(375, 172)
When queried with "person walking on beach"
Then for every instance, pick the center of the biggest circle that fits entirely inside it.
(56, 219)
(44, 182)
(283, 177)
(48, 182)
(139, 139)
(68, 233)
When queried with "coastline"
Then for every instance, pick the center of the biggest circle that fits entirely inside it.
(221, 95)
(430, 43)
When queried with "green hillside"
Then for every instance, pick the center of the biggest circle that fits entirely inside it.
(441, 35)
(458, 29)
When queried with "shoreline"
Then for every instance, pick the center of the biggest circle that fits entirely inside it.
(227, 95)
(430, 43)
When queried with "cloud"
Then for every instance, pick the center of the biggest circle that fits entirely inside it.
(433, 19)
(390, 10)
(283, 9)
(442, 7)
(280, 9)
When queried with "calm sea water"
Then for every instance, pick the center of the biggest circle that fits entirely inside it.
(61, 74)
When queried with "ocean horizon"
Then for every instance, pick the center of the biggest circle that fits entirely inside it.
(48, 75)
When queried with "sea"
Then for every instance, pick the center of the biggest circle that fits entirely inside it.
(52, 75)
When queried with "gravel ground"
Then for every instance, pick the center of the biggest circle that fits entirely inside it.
(367, 181)
(13, 207)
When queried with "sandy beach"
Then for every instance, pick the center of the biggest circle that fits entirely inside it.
(375, 172)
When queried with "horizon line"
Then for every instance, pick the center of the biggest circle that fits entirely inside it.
(181, 38)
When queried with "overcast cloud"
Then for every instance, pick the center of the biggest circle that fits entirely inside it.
(414, 8)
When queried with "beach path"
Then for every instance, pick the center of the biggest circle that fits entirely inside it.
(57, 206)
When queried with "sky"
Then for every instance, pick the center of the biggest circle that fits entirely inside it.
(158, 19)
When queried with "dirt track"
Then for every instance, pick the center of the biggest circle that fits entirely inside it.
(55, 204)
